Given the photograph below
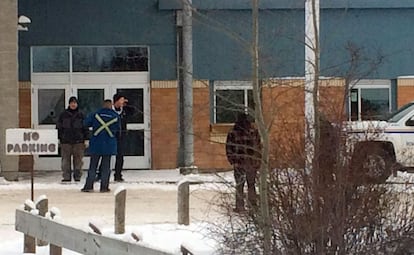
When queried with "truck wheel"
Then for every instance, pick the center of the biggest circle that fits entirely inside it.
(371, 165)
(377, 166)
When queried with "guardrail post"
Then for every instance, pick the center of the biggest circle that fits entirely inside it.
(120, 200)
(78, 240)
(183, 203)
(185, 251)
(42, 205)
(53, 249)
(29, 243)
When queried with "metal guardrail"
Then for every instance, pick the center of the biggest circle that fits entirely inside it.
(75, 239)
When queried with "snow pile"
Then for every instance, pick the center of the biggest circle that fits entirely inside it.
(170, 237)
(3, 181)
(119, 189)
(403, 182)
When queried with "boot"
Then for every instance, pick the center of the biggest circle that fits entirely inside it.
(239, 203)
(252, 198)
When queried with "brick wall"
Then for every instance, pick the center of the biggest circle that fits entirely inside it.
(405, 91)
(208, 153)
(283, 104)
(164, 135)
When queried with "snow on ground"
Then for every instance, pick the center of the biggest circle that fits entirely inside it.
(151, 208)
(166, 237)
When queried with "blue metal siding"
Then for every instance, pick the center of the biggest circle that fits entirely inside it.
(101, 22)
(378, 34)
(222, 41)
(285, 4)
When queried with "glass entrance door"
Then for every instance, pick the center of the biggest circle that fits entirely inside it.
(49, 102)
(137, 150)
(137, 141)
(92, 73)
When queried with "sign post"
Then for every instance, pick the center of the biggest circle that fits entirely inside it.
(23, 141)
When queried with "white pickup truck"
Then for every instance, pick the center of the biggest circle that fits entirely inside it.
(380, 148)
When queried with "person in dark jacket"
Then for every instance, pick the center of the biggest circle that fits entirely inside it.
(243, 150)
(105, 125)
(124, 111)
(72, 135)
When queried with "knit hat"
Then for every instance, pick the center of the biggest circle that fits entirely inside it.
(117, 96)
(73, 99)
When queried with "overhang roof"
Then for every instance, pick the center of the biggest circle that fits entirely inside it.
(286, 4)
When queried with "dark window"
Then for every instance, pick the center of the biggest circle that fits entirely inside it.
(136, 101)
(231, 102)
(51, 105)
(110, 59)
(369, 103)
(375, 104)
(354, 104)
(50, 59)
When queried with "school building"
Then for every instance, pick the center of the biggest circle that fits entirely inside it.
(93, 49)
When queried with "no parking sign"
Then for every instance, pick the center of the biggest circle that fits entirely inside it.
(23, 141)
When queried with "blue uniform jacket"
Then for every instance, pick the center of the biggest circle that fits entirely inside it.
(105, 125)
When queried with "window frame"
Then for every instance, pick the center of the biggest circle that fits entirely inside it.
(70, 60)
(368, 84)
(230, 85)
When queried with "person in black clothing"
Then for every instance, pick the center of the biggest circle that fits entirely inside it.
(72, 135)
(243, 150)
(120, 105)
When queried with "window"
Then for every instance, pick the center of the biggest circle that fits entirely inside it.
(50, 59)
(370, 100)
(231, 98)
(110, 59)
(89, 59)
(51, 105)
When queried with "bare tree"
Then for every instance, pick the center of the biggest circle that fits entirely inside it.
(331, 211)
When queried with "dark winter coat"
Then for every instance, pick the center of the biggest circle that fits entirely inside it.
(70, 127)
(243, 146)
(102, 141)
(125, 113)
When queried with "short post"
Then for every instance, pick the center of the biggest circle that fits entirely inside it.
(120, 199)
(29, 243)
(42, 206)
(95, 228)
(53, 249)
(183, 203)
(185, 251)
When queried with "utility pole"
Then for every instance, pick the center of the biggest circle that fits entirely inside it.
(311, 80)
(187, 96)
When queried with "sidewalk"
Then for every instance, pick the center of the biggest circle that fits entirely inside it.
(136, 176)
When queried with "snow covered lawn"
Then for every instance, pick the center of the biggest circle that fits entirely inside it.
(151, 213)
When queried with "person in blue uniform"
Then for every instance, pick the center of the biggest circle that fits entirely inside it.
(105, 125)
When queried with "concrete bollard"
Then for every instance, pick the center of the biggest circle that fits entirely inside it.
(183, 203)
(120, 201)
